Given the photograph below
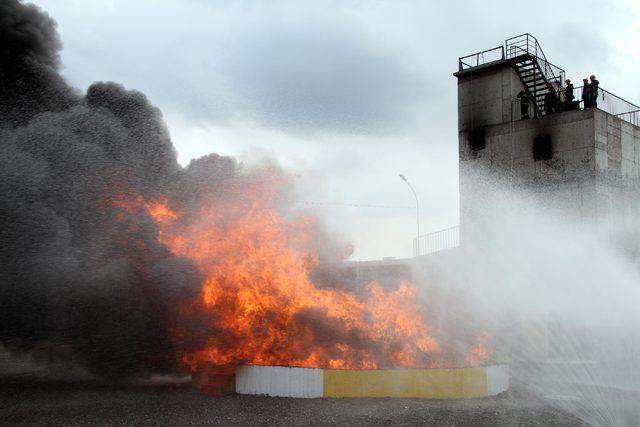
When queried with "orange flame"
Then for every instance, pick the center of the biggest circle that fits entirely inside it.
(257, 304)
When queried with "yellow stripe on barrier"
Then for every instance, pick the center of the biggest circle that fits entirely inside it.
(422, 383)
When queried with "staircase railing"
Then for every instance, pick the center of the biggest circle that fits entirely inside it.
(526, 44)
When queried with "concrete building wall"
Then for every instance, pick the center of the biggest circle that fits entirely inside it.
(617, 168)
(484, 97)
(510, 148)
(566, 179)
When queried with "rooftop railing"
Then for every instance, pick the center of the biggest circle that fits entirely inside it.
(606, 101)
(436, 241)
(481, 58)
(613, 104)
(524, 44)
(632, 117)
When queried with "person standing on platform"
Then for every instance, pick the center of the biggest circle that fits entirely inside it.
(551, 100)
(586, 93)
(568, 95)
(595, 84)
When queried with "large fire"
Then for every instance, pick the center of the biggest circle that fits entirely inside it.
(258, 305)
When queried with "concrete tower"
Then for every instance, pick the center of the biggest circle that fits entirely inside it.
(586, 160)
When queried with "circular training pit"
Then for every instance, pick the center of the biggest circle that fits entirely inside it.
(282, 381)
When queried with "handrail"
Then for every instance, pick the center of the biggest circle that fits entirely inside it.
(436, 241)
(551, 65)
(606, 101)
(537, 49)
(520, 45)
(463, 65)
(632, 117)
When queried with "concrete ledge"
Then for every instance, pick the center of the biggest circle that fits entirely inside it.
(407, 383)
(549, 121)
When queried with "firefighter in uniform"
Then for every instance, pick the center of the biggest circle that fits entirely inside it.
(568, 96)
(551, 100)
(586, 93)
(595, 84)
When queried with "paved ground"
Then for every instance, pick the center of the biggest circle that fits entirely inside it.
(40, 403)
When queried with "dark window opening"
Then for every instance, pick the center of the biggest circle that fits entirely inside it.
(477, 140)
(542, 148)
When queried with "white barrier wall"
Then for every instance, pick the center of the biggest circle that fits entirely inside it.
(279, 381)
(456, 383)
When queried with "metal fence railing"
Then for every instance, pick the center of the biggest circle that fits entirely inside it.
(481, 58)
(436, 241)
(606, 101)
(632, 117)
(613, 104)
(526, 44)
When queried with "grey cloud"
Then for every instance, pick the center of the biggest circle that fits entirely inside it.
(341, 160)
(584, 48)
(322, 80)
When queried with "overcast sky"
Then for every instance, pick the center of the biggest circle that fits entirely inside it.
(347, 93)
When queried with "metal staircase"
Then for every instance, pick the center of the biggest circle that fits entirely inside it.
(528, 59)
(524, 53)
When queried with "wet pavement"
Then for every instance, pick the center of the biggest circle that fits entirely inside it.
(56, 403)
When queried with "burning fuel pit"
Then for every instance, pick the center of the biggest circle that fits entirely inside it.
(262, 304)
(436, 383)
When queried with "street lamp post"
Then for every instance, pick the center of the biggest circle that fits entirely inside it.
(416, 245)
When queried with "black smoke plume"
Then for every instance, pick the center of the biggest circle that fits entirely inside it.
(84, 279)
(78, 281)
